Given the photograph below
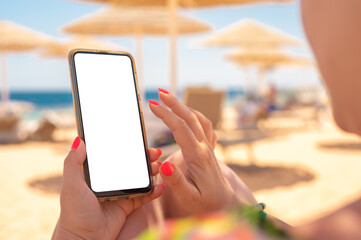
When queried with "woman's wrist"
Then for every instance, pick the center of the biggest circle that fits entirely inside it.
(231, 201)
(61, 232)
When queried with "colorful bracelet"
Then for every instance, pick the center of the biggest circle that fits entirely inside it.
(260, 207)
(255, 216)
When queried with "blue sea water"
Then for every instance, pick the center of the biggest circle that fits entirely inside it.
(63, 99)
(44, 100)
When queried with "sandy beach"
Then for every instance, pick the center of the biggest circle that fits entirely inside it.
(28, 212)
(301, 176)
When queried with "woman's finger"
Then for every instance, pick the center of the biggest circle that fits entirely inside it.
(154, 154)
(207, 128)
(205, 123)
(129, 205)
(183, 112)
(181, 131)
(214, 140)
(157, 192)
(155, 167)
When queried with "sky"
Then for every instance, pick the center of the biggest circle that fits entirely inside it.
(196, 65)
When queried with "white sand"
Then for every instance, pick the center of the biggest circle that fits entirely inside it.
(26, 213)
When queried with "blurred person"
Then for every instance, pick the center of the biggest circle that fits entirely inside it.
(332, 28)
(269, 97)
(248, 111)
(198, 183)
(255, 108)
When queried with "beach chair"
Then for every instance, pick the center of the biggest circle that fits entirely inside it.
(54, 121)
(8, 123)
(207, 101)
(9, 126)
(247, 138)
(11, 130)
(44, 132)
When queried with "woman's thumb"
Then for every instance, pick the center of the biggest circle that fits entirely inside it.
(73, 183)
(73, 163)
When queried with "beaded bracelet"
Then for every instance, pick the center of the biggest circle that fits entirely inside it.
(255, 216)
(259, 208)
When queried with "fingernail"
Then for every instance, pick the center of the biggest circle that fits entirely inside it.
(163, 185)
(153, 102)
(76, 143)
(159, 163)
(163, 90)
(159, 152)
(167, 169)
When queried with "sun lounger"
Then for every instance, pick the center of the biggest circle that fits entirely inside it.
(9, 129)
(207, 101)
(53, 121)
(10, 116)
(44, 132)
(245, 137)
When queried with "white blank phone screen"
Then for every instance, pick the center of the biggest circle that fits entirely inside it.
(111, 122)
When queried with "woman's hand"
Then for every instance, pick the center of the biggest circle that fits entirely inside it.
(82, 215)
(194, 175)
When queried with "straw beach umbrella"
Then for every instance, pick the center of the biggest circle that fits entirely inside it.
(248, 33)
(61, 49)
(182, 3)
(259, 44)
(16, 38)
(296, 62)
(118, 20)
(265, 58)
(257, 55)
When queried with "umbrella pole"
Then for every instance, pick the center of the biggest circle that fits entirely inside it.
(172, 5)
(248, 80)
(261, 79)
(4, 84)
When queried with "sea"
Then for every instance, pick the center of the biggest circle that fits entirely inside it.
(43, 100)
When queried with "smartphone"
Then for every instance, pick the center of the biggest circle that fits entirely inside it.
(110, 122)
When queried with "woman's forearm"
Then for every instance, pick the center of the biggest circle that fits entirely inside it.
(342, 224)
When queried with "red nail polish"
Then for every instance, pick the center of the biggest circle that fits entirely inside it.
(167, 169)
(159, 152)
(163, 185)
(163, 90)
(76, 143)
(153, 102)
